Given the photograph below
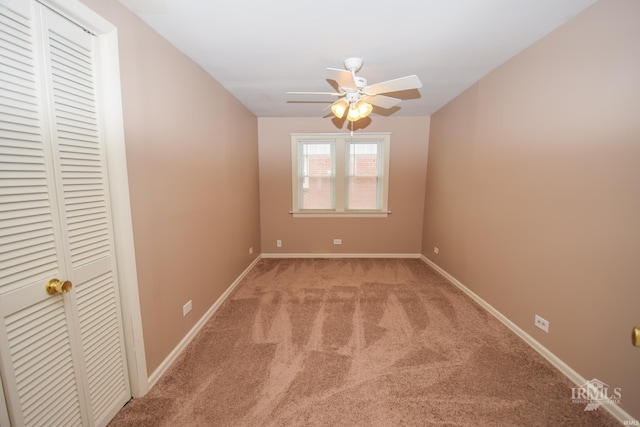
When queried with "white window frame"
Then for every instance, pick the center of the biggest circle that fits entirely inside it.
(340, 157)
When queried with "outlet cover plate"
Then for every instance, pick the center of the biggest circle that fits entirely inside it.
(542, 323)
(187, 308)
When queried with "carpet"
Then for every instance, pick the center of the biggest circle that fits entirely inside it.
(356, 342)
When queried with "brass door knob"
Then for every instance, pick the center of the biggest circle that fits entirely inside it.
(55, 287)
(635, 336)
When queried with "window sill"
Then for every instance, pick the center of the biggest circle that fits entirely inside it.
(340, 214)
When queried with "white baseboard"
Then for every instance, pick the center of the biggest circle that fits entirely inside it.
(171, 358)
(615, 410)
(337, 255)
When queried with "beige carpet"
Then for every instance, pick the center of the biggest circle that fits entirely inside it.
(356, 342)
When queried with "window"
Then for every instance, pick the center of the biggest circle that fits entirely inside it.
(340, 174)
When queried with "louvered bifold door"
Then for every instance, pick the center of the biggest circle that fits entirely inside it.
(36, 343)
(62, 356)
(83, 195)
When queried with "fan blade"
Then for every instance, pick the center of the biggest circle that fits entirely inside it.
(383, 101)
(344, 78)
(403, 83)
(314, 93)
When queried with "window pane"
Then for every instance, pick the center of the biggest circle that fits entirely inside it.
(316, 175)
(363, 193)
(363, 176)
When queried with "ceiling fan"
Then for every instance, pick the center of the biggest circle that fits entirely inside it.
(356, 97)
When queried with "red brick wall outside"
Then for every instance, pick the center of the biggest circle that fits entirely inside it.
(362, 189)
(362, 182)
(318, 193)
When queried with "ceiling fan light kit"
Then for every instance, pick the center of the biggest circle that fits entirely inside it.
(339, 107)
(355, 97)
(359, 111)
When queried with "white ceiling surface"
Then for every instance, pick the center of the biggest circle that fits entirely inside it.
(260, 49)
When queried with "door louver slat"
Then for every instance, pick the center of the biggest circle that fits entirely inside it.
(77, 133)
(100, 337)
(22, 161)
(27, 261)
(14, 249)
(34, 379)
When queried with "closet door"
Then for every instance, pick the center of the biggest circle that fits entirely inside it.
(61, 349)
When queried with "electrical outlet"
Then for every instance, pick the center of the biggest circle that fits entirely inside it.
(541, 323)
(278, 243)
(186, 308)
(251, 251)
(337, 241)
(436, 250)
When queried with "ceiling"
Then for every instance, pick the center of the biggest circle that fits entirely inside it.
(259, 49)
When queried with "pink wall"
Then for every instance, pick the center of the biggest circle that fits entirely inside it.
(399, 233)
(192, 158)
(533, 192)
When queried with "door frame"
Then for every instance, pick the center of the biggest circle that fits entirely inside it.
(108, 66)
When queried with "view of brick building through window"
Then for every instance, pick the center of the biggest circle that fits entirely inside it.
(361, 177)
(317, 184)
